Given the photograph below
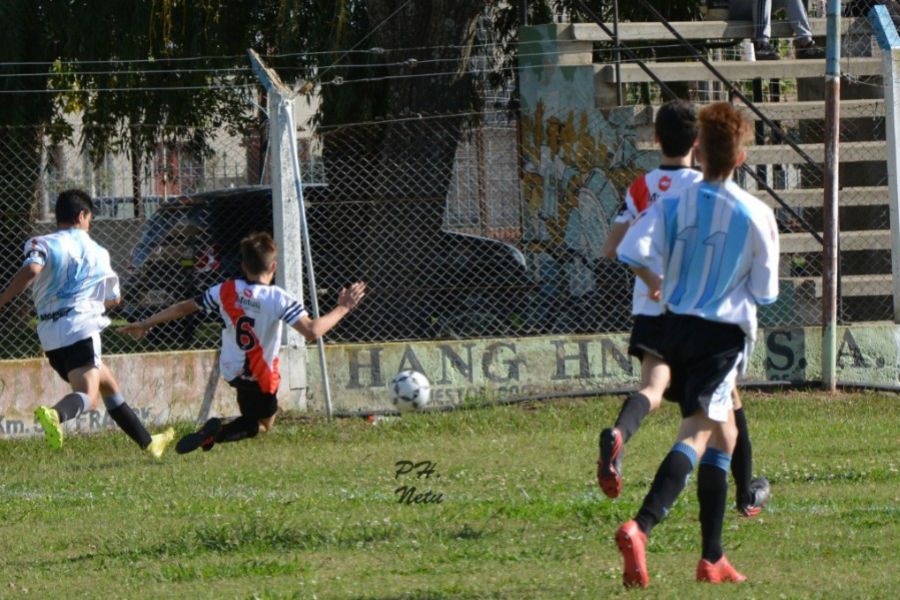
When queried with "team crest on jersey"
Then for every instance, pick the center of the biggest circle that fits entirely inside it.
(665, 182)
(248, 293)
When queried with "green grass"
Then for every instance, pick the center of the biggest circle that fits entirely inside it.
(311, 511)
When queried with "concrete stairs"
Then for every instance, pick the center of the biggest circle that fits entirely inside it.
(865, 240)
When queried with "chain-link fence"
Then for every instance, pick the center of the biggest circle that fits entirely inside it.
(462, 226)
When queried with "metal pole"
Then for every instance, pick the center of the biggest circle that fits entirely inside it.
(307, 253)
(889, 42)
(830, 212)
(523, 13)
(616, 55)
(291, 215)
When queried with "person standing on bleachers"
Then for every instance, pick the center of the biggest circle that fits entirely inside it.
(805, 46)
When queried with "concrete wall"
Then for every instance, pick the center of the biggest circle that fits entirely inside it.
(184, 386)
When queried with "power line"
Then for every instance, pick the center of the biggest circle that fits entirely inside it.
(409, 62)
(132, 89)
(364, 38)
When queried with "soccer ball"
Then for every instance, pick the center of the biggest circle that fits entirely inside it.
(410, 390)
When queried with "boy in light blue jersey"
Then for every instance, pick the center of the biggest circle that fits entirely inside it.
(676, 130)
(72, 286)
(717, 247)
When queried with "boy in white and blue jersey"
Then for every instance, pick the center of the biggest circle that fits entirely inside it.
(72, 286)
(717, 247)
(676, 130)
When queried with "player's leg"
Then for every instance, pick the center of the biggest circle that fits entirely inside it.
(253, 404)
(266, 425)
(712, 490)
(716, 380)
(654, 378)
(78, 365)
(752, 493)
(257, 410)
(670, 479)
(127, 420)
(257, 416)
(645, 341)
(742, 459)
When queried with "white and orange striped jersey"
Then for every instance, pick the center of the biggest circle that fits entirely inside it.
(642, 194)
(252, 314)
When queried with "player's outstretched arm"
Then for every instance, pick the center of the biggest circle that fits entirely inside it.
(21, 280)
(348, 299)
(176, 311)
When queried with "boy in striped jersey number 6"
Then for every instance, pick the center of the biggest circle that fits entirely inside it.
(252, 310)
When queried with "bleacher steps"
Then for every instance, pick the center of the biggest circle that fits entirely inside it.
(814, 197)
(851, 285)
(849, 240)
(690, 30)
(734, 70)
(782, 154)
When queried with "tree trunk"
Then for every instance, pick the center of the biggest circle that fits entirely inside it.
(137, 178)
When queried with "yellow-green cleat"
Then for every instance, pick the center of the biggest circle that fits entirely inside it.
(49, 420)
(159, 443)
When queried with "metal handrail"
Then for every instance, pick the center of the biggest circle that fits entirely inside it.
(782, 136)
(744, 168)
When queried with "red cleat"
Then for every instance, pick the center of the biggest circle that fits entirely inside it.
(610, 464)
(633, 546)
(720, 572)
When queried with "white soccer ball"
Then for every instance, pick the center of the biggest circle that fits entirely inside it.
(410, 390)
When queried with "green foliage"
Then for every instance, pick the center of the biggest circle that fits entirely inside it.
(310, 510)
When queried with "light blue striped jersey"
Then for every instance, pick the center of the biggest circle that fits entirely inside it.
(71, 288)
(717, 248)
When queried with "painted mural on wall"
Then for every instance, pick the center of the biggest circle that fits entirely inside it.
(578, 162)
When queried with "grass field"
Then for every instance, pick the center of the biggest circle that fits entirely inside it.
(311, 511)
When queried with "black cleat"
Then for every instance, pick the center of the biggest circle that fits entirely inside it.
(204, 438)
(609, 467)
(760, 491)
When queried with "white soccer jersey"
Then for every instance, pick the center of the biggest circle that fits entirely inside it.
(252, 314)
(719, 249)
(643, 193)
(70, 290)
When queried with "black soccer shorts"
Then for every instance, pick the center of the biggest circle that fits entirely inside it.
(647, 336)
(252, 401)
(83, 353)
(704, 357)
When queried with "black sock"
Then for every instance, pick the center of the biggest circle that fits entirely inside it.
(71, 406)
(130, 424)
(670, 479)
(712, 489)
(742, 460)
(634, 409)
(239, 429)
